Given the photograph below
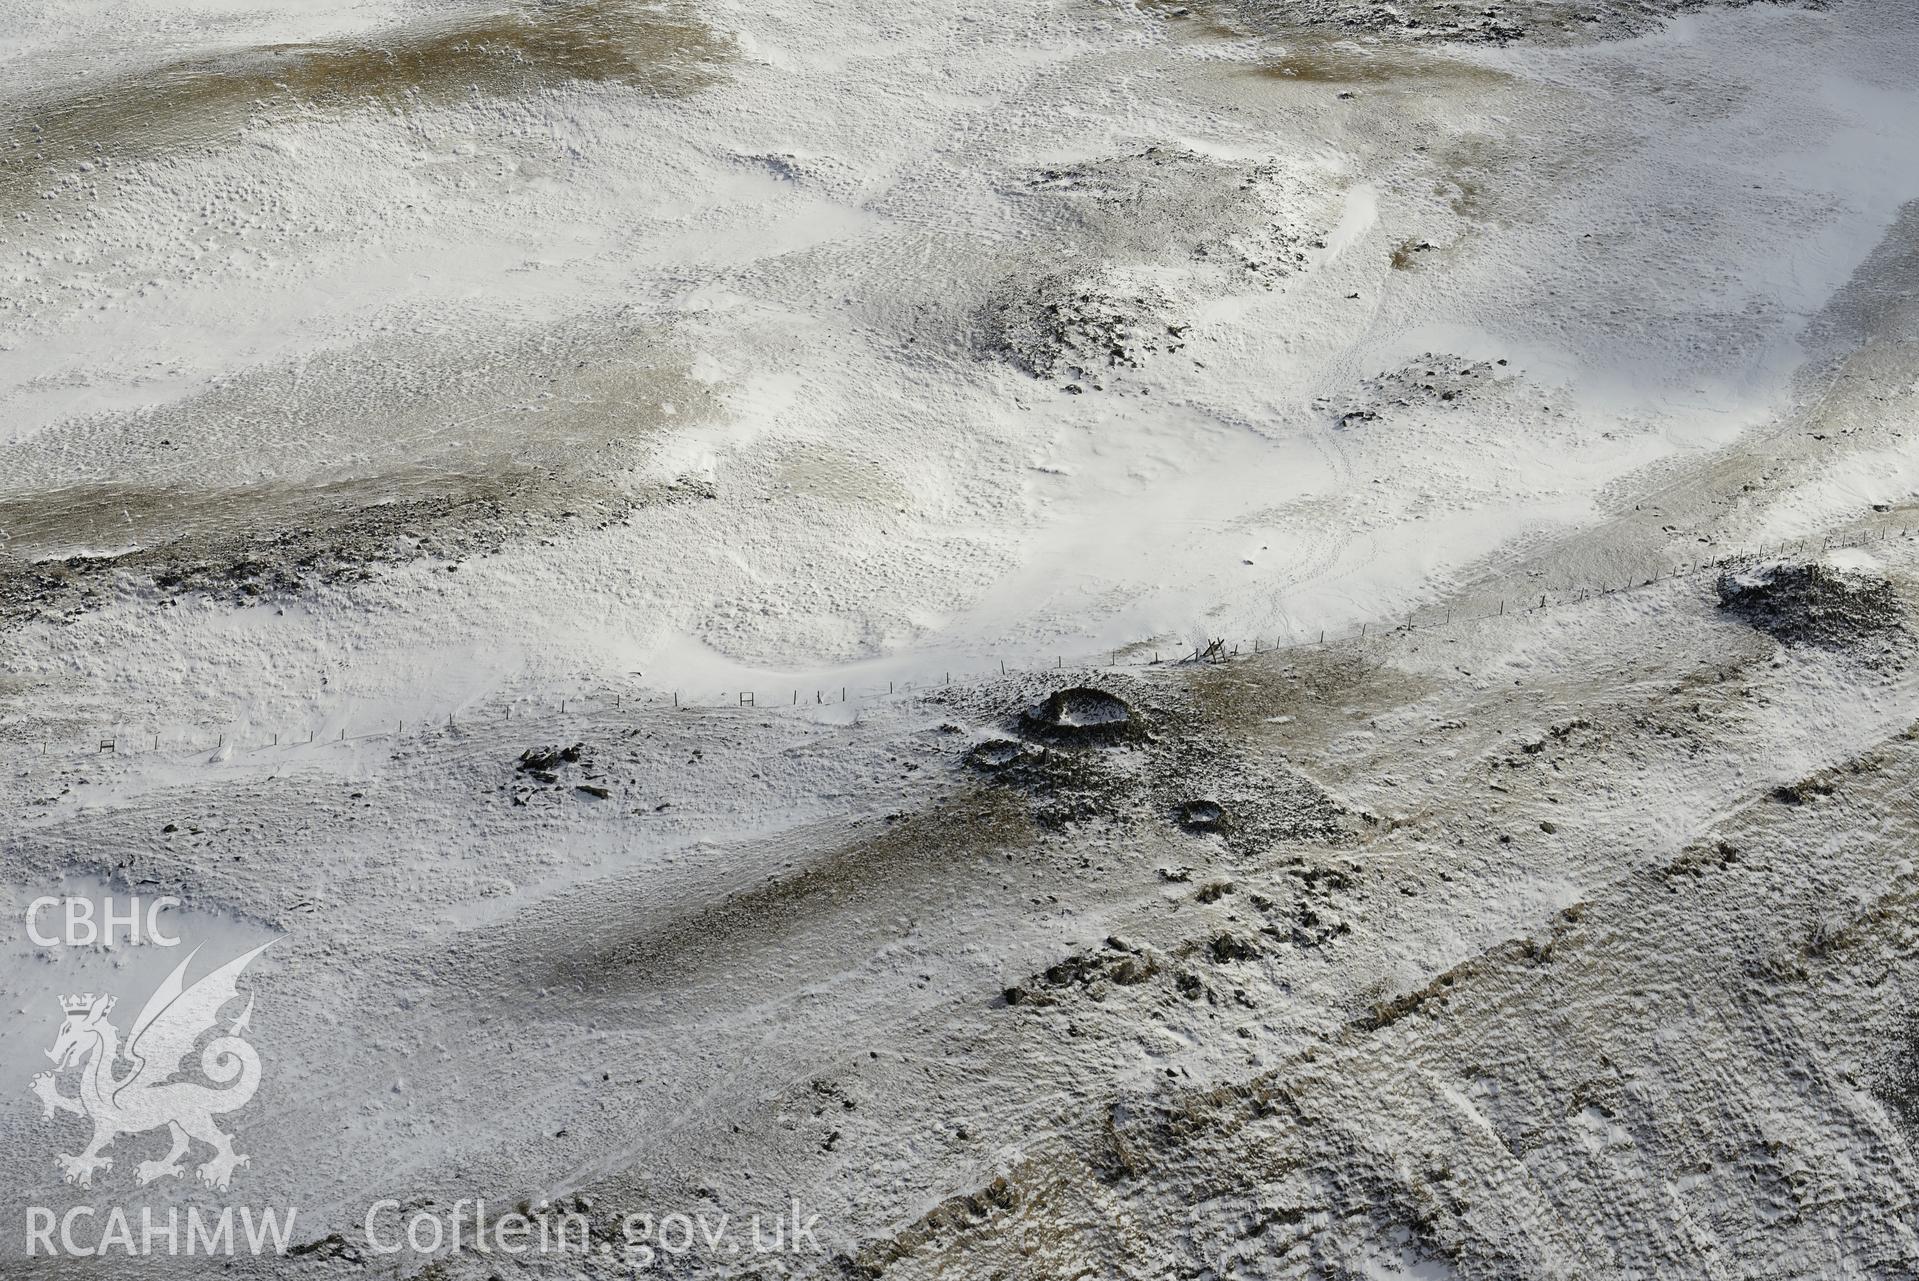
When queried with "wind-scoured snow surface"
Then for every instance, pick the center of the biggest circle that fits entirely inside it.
(418, 364)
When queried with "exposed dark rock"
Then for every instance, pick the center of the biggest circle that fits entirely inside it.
(1542, 21)
(1082, 714)
(994, 754)
(1202, 815)
(1813, 604)
(536, 760)
(1058, 327)
(330, 1247)
(1117, 962)
(1214, 891)
(1227, 947)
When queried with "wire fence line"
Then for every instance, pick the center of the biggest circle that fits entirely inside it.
(121, 740)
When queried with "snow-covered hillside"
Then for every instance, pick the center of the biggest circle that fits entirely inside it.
(457, 456)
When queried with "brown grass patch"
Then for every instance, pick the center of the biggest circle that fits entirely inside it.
(208, 100)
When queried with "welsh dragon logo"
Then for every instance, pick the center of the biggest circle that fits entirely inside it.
(146, 1096)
